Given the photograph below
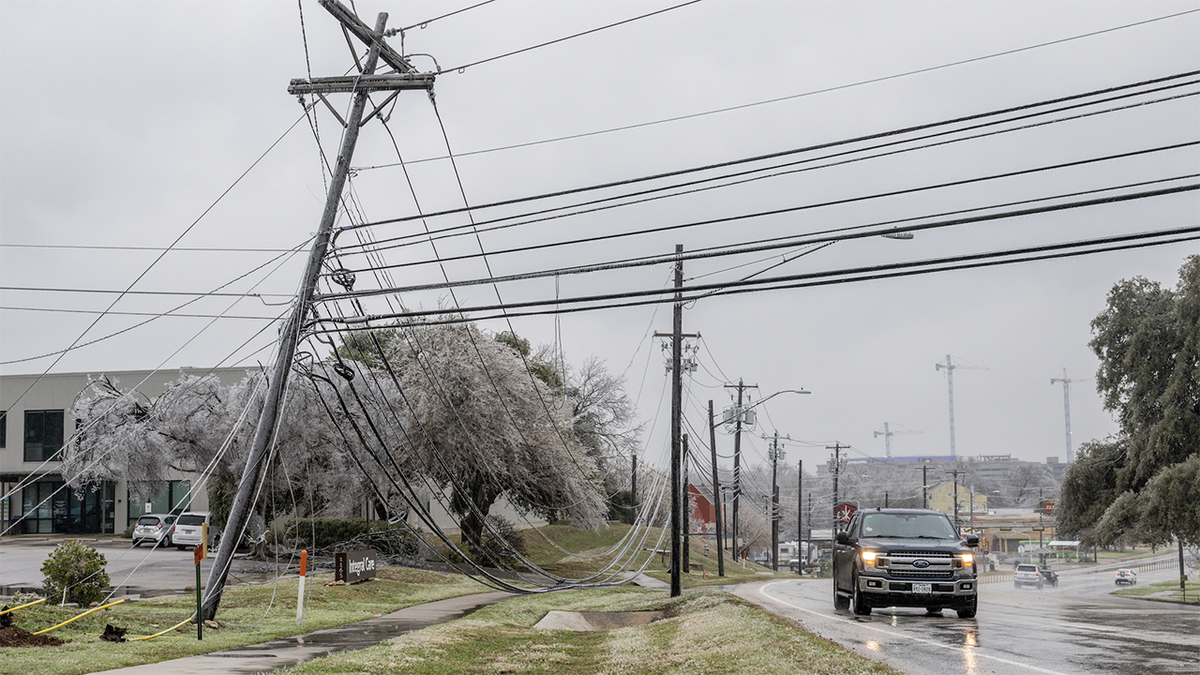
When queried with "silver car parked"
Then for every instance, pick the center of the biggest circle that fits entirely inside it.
(154, 528)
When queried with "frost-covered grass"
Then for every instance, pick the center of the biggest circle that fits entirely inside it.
(704, 631)
(244, 617)
(1164, 591)
(596, 542)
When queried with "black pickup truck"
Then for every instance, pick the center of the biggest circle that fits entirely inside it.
(904, 558)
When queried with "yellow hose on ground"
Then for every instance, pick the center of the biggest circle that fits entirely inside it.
(147, 637)
(80, 616)
(28, 604)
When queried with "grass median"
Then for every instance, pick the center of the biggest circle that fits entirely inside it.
(1164, 591)
(703, 631)
(248, 615)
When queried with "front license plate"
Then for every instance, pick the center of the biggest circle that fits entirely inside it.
(924, 589)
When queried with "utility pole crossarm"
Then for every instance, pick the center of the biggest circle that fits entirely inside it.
(363, 32)
(354, 83)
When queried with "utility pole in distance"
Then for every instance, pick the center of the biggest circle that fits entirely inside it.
(685, 516)
(716, 489)
(776, 455)
(837, 469)
(739, 417)
(361, 86)
(800, 514)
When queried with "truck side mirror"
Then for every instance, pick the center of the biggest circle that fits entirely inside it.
(972, 540)
(843, 537)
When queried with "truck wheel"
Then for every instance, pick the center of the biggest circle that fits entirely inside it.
(860, 605)
(969, 611)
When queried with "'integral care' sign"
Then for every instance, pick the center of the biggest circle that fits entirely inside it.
(353, 566)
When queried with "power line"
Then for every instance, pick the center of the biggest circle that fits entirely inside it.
(199, 294)
(894, 270)
(177, 249)
(426, 22)
(790, 97)
(1172, 79)
(792, 241)
(461, 69)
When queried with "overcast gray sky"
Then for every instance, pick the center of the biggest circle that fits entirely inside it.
(122, 122)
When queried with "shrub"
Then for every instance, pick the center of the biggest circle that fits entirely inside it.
(78, 569)
(502, 549)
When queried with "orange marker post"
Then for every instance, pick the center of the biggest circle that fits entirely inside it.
(198, 555)
(300, 597)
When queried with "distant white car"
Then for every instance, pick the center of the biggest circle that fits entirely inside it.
(189, 529)
(155, 528)
(1126, 576)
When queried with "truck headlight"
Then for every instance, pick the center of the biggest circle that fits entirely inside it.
(967, 559)
(868, 557)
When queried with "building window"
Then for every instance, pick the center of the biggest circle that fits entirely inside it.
(43, 435)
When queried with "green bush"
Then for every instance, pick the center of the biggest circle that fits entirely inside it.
(77, 568)
(505, 546)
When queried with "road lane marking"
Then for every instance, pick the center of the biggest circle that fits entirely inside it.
(763, 590)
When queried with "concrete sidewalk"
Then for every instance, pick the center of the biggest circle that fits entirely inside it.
(289, 651)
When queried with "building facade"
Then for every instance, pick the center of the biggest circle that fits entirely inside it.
(37, 426)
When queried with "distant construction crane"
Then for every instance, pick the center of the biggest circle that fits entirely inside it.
(950, 368)
(887, 437)
(1066, 382)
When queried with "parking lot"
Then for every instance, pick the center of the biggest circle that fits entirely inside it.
(133, 570)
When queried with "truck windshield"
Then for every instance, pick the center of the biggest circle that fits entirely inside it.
(908, 526)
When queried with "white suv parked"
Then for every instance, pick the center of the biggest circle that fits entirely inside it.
(189, 529)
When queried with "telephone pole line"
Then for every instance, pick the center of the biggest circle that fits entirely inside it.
(740, 414)
(955, 473)
(405, 78)
(776, 455)
(676, 419)
(716, 490)
(837, 469)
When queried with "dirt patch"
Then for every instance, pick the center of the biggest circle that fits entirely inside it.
(15, 636)
(595, 621)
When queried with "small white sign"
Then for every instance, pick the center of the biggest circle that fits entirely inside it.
(148, 507)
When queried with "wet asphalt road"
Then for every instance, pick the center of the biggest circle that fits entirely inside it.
(1076, 628)
(133, 570)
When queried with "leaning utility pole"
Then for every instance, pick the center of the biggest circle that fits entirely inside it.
(716, 490)
(676, 419)
(361, 86)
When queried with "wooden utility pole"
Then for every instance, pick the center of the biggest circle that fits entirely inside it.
(676, 419)
(685, 513)
(264, 434)
(716, 490)
(800, 514)
(737, 458)
(837, 469)
(776, 455)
